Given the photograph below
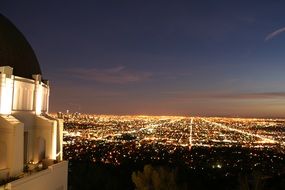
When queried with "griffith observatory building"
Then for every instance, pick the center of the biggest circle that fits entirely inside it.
(30, 140)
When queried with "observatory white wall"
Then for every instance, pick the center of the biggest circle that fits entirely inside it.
(28, 134)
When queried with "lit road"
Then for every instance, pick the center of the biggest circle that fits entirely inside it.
(264, 139)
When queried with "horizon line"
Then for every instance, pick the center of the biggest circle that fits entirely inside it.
(163, 115)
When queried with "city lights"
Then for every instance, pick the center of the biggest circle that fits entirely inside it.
(231, 144)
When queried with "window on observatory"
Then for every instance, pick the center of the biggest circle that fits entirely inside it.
(26, 147)
(58, 141)
(3, 155)
(42, 148)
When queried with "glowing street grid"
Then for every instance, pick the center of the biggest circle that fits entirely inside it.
(178, 131)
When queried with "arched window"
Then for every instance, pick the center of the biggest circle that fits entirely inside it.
(41, 148)
(3, 155)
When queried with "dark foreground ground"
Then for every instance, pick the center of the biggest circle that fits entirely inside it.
(149, 174)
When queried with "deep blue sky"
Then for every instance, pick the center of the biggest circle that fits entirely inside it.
(159, 57)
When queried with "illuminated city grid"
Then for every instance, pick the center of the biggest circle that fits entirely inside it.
(234, 144)
(180, 131)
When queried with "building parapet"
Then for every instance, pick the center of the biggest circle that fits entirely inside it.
(43, 179)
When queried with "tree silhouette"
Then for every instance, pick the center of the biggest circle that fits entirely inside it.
(159, 178)
(253, 182)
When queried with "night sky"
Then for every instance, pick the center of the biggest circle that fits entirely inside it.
(208, 58)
